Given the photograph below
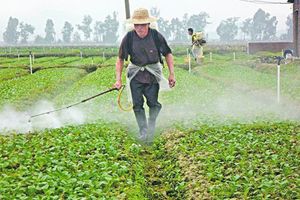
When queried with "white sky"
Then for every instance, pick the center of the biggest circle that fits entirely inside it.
(36, 12)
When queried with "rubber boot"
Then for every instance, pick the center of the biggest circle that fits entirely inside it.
(140, 117)
(153, 113)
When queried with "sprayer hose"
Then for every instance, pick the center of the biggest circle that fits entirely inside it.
(119, 101)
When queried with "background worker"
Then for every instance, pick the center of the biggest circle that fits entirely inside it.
(191, 32)
(197, 44)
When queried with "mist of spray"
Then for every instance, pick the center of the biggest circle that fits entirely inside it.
(14, 121)
(241, 104)
(58, 119)
(21, 122)
(235, 104)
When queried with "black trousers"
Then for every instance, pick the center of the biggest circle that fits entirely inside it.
(150, 91)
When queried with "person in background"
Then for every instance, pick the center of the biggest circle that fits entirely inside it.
(198, 42)
(191, 32)
(145, 47)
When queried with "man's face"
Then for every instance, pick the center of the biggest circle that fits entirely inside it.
(141, 29)
(190, 33)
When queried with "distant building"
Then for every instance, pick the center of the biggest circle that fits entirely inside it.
(278, 46)
(296, 23)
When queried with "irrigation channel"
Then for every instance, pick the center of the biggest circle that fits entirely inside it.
(222, 134)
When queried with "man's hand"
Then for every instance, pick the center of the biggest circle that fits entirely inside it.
(172, 80)
(170, 62)
(118, 84)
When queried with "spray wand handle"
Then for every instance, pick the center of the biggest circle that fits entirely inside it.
(107, 91)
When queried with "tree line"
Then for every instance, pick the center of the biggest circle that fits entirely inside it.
(262, 26)
(103, 31)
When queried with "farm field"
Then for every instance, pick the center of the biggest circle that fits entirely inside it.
(222, 134)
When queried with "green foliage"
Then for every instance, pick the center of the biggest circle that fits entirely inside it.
(206, 154)
(259, 78)
(7, 74)
(91, 161)
(93, 83)
(23, 91)
(242, 161)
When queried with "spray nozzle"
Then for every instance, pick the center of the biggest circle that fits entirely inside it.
(278, 58)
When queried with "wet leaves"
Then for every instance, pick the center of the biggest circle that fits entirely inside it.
(239, 161)
(210, 158)
(76, 162)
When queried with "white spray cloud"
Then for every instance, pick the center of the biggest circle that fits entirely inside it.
(239, 105)
(22, 122)
(14, 121)
(242, 105)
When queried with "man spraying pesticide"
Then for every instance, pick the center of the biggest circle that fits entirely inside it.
(144, 74)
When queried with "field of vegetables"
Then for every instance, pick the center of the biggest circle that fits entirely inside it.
(220, 135)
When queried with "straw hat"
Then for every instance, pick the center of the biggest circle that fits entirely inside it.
(141, 16)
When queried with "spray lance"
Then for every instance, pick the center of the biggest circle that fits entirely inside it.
(85, 100)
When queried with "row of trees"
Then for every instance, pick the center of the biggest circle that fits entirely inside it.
(261, 27)
(11, 35)
(104, 32)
